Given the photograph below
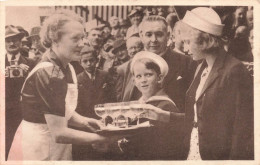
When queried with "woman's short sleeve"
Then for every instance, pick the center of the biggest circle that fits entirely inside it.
(51, 87)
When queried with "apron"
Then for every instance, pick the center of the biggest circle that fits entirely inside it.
(33, 141)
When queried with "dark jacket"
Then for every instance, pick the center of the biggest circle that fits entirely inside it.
(13, 85)
(94, 92)
(225, 112)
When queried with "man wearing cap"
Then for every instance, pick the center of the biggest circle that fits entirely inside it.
(154, 35)
(135, 17)
(120, 51)
(37, 48)
(17, 68)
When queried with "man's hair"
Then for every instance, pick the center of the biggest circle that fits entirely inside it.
(152, 18)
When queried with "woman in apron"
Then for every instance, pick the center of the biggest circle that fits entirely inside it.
(49, 97)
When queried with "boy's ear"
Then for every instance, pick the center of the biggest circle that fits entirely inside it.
(160, 78)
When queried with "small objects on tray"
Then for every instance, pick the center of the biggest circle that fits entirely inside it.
(121, 115)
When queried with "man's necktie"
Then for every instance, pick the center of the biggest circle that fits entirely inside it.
(13, 57)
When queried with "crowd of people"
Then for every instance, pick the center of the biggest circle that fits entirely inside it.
(195, 72)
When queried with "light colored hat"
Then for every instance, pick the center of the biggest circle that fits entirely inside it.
(11, 31)
(93, 24)
(204, 19)
(152, 56)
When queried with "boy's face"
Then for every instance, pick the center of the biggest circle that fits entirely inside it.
(88, 62)
(146, 80)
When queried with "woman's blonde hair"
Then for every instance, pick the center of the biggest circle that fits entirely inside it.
(52, 27)
(206, 42)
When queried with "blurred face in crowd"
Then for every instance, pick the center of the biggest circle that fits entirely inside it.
(251, 38)
(106, 32)
(123, 30)
(250, 19)
(134, 45)
(240, 14)
(88, 62)
(121, 53)
(114, 22)
(71, 42)
(36, 43)
(95, 38)
(171, 9)
(146, 80)
(13, 44)
(154, 36)
(136, 19)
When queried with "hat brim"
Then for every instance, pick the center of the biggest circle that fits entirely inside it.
(20, 35)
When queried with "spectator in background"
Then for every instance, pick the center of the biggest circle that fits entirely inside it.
(37, 48)
(171, 19)
(239, 47)
(251, 38)
(135, 17)
(239, 19)
(114, 24)
(95, 87)
(161, 11)
(94, 39)
(107, 33)
(250, 19)
(26, 44)
(120, 51)
(17, 68)
(171, 9)
(134, 45)
(124, 25)
(124, 83)
(178, 40)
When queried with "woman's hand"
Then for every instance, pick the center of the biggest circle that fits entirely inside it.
(155, 113)
(92, 124)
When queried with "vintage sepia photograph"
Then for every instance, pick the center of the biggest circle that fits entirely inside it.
(120, 83)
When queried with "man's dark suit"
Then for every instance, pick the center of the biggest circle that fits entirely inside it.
(13, 114)
(225, 112)
(98, 91)
(176, 83)
(91, 93)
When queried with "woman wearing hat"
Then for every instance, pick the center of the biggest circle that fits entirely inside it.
(219, 102)
(49, 96)
(163, 142)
